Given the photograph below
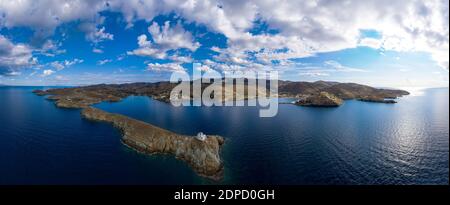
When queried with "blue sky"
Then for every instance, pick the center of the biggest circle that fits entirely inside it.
(110, 42)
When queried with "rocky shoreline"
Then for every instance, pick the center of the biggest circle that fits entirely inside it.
(203, 156)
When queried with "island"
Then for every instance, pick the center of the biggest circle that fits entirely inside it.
(333, 94)
(202, 153)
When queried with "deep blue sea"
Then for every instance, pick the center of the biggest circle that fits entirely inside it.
(357, 143)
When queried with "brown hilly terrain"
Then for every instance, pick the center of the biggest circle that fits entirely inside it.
(331, 94)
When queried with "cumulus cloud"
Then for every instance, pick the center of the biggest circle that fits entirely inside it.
(168, 38)
(94, 34)
(146, 49)
(305, 28)
(302, 28)
(14, 57)
(165, 38)
(45, 15)
(309, 27)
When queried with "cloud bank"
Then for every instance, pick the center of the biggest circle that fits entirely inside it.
(293, 28)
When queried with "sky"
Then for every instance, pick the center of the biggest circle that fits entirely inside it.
(383, 43)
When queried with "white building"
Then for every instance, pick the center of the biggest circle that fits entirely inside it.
(200, 136)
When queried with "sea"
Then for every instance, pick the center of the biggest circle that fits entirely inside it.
(358, 143)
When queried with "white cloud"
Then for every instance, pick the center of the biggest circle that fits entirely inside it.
(14, 57)
(303, 28)
(203, 68)
(94, 34)
(68, 63)
(57, 65)
(46, 73)
(146, 49)
(51, 48)
(100, 35)
(60, 65)
(334, 65)
(307, 27)
(181, 59)
(14, 73)
(44, 16)
(168, 38)
(103, 62)
(121, 57)
(371, 42)
(165, 38)
(97, 50)
(167, 67)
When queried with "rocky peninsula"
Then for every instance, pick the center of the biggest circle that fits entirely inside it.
(203, 156)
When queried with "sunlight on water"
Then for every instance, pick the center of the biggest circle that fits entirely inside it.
(415, 91)
(357, 143)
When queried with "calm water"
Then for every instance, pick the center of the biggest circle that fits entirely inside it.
(357, 143)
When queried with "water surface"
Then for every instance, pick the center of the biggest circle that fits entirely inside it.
(357, 143)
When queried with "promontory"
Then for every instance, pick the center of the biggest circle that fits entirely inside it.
(202, 155)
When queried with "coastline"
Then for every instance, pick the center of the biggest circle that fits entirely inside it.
(244, 152)
(202, 156)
